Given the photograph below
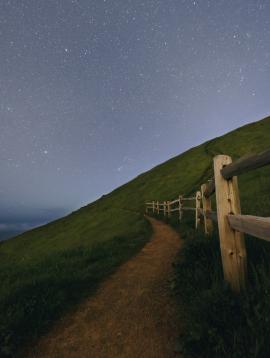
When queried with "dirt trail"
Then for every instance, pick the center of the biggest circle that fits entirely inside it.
(131, 315)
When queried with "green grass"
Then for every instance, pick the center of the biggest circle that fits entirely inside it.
(48, 270)
(218, 323)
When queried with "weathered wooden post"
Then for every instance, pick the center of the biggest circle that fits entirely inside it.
(158, 207)
(197, 211)
(169, 209)
(153, 206)
(164, 208)
(206, 203)
(232, 243)
(180, 207)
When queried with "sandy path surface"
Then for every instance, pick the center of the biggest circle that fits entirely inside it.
(132, 313)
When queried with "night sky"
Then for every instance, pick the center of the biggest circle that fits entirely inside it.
(94, 92)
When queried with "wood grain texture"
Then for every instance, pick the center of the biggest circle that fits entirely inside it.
(232, 242)
(252, 225)
(246, 164)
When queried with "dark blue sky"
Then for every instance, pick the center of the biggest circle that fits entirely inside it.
(94, 92)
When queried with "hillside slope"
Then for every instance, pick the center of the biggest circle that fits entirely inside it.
(45, 271)
(185, 173)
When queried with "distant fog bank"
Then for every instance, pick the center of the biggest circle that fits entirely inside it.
(4, 235)
(14, 224)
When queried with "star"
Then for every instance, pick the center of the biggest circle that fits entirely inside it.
(86, 85)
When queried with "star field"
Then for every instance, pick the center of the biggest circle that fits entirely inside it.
(95, 92)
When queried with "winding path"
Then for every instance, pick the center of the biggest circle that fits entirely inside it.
(132, 313)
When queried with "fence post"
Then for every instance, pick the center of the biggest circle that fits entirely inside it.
(197, 211)
(232, 243)
(169, 209)
(164, 208)
(180, 207)
(153, 206)
(158, 207)
(206, 202)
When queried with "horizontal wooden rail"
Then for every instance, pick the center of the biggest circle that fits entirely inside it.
(252, 225)
(174, 201)
(232, 227)
(210, 188)
(246, 164)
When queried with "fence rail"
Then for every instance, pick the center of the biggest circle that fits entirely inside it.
(246, 164)
(174, 201)
(252, 225)
(231, 224)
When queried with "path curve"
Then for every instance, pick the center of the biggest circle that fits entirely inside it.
(132, 313)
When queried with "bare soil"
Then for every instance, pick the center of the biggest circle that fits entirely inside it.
(132, 314)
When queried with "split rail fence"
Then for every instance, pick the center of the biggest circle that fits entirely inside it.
(231, 224)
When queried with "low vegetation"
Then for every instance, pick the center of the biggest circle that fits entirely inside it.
(46, 271)
(218, 323)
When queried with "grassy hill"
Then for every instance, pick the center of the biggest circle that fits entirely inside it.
(46, 271)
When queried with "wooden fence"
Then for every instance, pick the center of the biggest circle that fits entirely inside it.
(231, 224)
